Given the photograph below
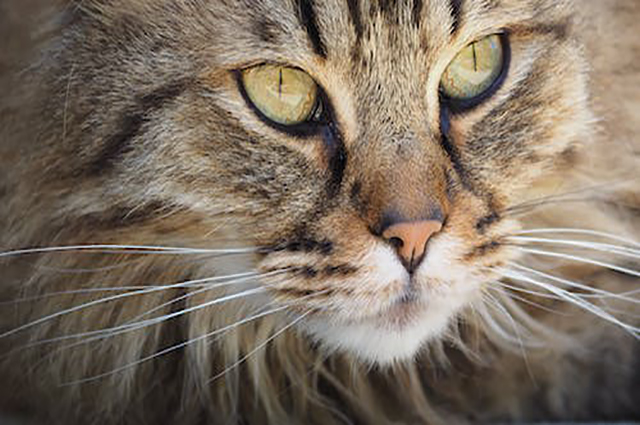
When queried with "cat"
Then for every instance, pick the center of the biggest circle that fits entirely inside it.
(320, 212)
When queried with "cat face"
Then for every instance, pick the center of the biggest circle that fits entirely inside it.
(380, 213)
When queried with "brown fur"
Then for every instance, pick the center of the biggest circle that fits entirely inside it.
(128, 128)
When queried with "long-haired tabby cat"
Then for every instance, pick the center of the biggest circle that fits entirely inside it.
(320, 211)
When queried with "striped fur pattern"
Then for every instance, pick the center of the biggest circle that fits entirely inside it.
(226, 272)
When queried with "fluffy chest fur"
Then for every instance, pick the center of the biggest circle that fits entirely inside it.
(173, 253)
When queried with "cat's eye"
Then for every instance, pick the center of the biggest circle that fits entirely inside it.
(474, 71)
(285, 95)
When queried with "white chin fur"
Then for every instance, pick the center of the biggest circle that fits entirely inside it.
(376, 344)
(378, 339)
(375, 340)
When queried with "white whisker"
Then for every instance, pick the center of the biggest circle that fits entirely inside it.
(532, 324)
(571, 196)
(178, 346)
(572, 284)
(77, 292)
(517, 328)
(527, 291)
(585, 232)
(101, 334)
(259, 347)
(524, 300)
(109, 299)
(581, 260)
(117, 289)
(574, 299)
(120, 265)
(608, 248)
(185, 259)
(242, 279)
(490, 321)
(204, 337)
(129, 327)
(128, 249)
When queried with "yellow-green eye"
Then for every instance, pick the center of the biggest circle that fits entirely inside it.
(474, 70)
(285, 95)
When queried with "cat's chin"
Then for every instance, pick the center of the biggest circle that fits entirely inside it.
(398, 334)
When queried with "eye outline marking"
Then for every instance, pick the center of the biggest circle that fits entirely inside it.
(460, 106)
(319, 118)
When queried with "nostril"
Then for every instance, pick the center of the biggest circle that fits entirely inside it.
(396, 242)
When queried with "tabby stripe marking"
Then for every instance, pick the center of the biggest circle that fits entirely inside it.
(386, 8)
(356, 19)
(416, 13)
(483, 250)
(309, 22)
(483, 223)
(131, 124)
(455, 6)
(266, 30)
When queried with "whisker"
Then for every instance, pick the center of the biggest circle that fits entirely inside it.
(576, 300)
(600, 292)
(122, 264)
(605, 294)
(204, 337)
(132, 325)
(532, 324)
(297, 302)
(127, 249)
(259, 347)
(525, 300)
(129, 327)
(76, 292)
(526, 291)
(117, 289)
(601, 247)
(585, 232)
(109, 299)
(177, 347)
(517, 328)
(490, 321)
(527, 208)
(581, 260)
(101, 334)
(597, 190)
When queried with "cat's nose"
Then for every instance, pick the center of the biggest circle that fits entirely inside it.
(410, 240)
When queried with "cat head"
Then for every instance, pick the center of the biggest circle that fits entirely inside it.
(371, 154)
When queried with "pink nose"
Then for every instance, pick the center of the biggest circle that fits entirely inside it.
(410, 240)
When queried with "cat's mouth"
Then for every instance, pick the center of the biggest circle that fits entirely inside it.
(405, 310)
(395, 331)
(408, 306)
